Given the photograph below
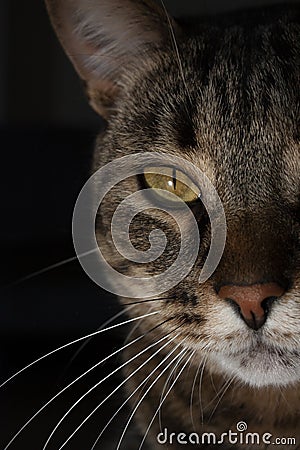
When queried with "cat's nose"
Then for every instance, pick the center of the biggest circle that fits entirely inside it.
(253, 300)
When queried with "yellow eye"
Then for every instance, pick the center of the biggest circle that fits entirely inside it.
(166, 180)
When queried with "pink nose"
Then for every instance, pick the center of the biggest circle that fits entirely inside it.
(250, 300)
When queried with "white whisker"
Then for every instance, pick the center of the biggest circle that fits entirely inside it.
(72, 343)
(192, 392)
(224, 388)
(68, 386)
(200, 390)
(51, 267)
(213, 384)
(116, 316)
(103, 401)
(181, 354)
(288, 405)
(165, 387)
(141, 384)
(133, 329)
(161, 403)
(217, 393)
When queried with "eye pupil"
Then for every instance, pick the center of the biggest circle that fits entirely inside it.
(169, 180)
(174, 178)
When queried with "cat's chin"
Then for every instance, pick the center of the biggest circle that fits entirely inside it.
(259, 368)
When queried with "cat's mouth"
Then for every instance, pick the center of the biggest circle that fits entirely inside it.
(261, 365)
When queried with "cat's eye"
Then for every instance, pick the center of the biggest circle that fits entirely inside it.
(170, 180)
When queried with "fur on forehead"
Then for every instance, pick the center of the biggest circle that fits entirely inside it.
(105, 37)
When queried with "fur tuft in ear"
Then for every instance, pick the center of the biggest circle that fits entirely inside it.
(103, 38)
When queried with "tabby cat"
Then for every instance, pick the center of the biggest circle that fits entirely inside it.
(222, 93)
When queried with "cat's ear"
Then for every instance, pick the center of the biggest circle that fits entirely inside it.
(104, 38)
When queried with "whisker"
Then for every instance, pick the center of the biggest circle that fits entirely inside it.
(153, 328)
(213, 385)
(173, 37)
(192, 392)
(284, 398)
(224, 388)
(70, 385)
(116, 316)
(159, 299)
(161, 403)
(74, 342)
(133, 329)
(49, 268)
(93, 388)
(159, 325)
(200, 390)
(181, 354)
(217, 393)
(141, 384)
(165, 387)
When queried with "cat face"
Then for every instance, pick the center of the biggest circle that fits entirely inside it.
(224, 96)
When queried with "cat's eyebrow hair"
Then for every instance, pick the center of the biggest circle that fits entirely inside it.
(173, 37)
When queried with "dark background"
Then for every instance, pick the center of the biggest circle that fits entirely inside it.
(47, 132)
